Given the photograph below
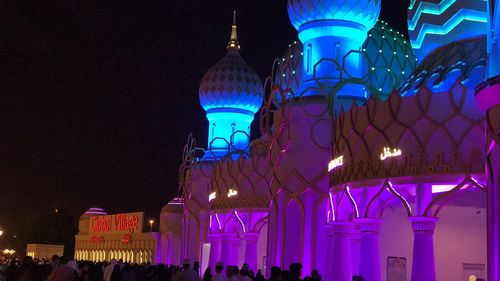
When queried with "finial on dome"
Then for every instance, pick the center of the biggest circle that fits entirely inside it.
(233, 41)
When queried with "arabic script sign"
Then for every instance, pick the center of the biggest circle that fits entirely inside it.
(388, 153)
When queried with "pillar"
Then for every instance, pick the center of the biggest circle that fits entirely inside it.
(493, 207)
(165, 249)
(488, 98)
(424, 265)
(423, 197)
(309, 232)
(215, 250)
(229, 243)
(339, 262)
(251, 250)
(369, 261)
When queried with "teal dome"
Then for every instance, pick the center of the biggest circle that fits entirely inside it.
(461, 62)
(390, 59)
(388, 55)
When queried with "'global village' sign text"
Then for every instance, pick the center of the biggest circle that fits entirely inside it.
(119, 223)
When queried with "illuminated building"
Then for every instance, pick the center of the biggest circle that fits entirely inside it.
(231, 93)
(372, 153)
(42, 251)
(102, 237)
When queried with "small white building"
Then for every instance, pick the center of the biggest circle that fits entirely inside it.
(44, 251)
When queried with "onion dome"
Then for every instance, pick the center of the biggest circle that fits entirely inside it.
(95, 212)
(387, 53)
(390, 59)
(171, 217)
(174, 206)
(461, 62)
(231, 83)
(364, 12)
(288, 74)
(432, 24)
(84, 222)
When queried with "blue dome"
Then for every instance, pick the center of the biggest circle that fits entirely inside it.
(461, 62)
(231, 84)
(364, 12)
(384, 49)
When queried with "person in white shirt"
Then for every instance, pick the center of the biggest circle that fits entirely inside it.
(109, 270)
(219, 276)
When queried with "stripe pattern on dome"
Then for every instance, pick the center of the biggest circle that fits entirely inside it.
(364, 12)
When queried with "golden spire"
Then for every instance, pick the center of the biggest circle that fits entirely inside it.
(233, 41)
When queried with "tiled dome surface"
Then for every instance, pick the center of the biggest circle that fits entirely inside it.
(231, 83)
(383, 49)
(462, 61)
(364, 12)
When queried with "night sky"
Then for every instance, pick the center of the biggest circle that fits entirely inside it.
(98, 97)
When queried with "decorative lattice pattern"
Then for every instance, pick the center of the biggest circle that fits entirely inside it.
(250, 178)
(438, 133)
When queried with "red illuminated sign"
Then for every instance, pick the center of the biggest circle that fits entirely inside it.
(128, 223)
(101, 224)
(126, 238)
(96, 239)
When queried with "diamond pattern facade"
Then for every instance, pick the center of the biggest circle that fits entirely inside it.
(231, 83)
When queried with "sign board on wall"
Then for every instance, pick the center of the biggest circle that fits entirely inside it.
(396, 269)
(118, 223)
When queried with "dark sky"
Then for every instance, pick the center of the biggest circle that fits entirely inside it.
(97, 97)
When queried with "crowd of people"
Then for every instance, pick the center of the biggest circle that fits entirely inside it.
(62, 269)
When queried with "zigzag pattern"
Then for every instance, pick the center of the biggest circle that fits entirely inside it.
(448, 15)
(452, 23)
(428, 8)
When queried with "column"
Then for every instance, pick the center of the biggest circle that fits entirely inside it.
(229, 242)
(251, 250)
(488, 98)
(369, 262)
(215, 249)
(309, 231)
(339, 264)
(493, 208)
(423, 197)
(424, 266)
(165, 249)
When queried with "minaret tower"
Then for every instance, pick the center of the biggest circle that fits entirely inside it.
(332, 33)
(230, 93)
